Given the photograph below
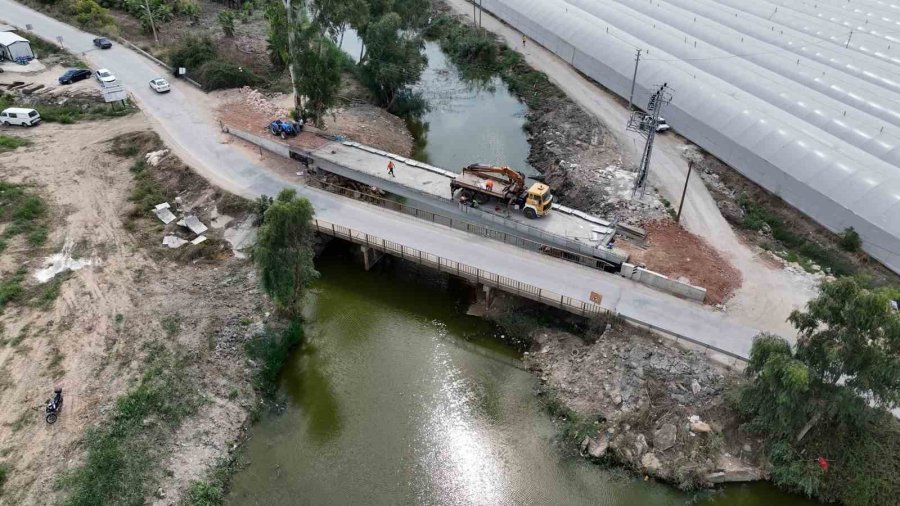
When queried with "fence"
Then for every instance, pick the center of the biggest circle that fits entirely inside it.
(509, 285)
(462, 270)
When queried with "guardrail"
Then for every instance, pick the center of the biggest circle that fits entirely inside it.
(470, 227)
(528, 291)
(509, 285)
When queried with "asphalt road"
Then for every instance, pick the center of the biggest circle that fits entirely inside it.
(183, 118)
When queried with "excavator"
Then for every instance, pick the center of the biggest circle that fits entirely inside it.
(481, 183)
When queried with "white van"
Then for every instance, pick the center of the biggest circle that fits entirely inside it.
(19, 116)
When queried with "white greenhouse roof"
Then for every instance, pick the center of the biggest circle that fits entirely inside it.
(801, 97)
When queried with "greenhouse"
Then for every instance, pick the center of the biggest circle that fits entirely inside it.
(802, 98)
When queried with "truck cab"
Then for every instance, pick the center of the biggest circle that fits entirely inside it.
(538, 201)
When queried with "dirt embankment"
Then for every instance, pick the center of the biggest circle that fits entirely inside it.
(131, 294)
(639, 400)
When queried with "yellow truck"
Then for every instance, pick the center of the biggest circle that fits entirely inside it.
(483, 183)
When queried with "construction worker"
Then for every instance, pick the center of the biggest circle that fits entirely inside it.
(523, 40)
(391, 168)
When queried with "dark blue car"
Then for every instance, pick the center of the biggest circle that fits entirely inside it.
(74, 75)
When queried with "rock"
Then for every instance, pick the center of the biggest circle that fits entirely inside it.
(700, 427)
(650, 463)
(597, 447)
(618, 400)
(664, 438)
(695, 387)
(747, 448)
(640, 445)
(584, 444)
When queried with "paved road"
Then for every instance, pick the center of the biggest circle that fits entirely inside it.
(767, 295)
(183, 118)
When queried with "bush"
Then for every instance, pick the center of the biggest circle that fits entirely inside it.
(218, 74)
(850, 240)
(192, 52)
(226, 21)
(88, 13)
(271, 349)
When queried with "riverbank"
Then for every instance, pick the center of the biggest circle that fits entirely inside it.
(622, 395)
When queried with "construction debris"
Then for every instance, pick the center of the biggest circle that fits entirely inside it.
(153, 158)
(173, 241)
(162, 212)
(193, 224)
(198, 240)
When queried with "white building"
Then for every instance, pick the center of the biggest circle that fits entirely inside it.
(13, 46)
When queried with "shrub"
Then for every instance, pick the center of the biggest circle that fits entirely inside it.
(271, 349)
(218, 74)
(192, 52)
(226, 21)
(88, 13)
(850, 240)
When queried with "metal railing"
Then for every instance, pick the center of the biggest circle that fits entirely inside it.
(470, 227)
(509, 285)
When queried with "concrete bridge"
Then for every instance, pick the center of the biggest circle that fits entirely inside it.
(184, 121)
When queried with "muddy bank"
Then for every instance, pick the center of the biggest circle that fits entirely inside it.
(624, 396)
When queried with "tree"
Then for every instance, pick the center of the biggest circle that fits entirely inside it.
(851, 334)
(277, 35)
(226, 20)
(394, 59)
(320, 80)
(284, 251)
(335, 15)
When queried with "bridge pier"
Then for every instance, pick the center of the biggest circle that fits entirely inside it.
(370, 256)
(488, 295)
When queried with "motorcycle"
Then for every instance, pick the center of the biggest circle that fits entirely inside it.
(54, 406)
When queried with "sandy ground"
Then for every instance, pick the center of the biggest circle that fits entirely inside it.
(768, 294)
(91, 340)
(252, 111)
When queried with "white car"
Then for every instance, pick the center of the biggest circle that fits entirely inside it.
(662, 126)
(160, 85)
(105, 76)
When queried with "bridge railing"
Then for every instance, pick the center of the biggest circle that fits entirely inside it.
(509, 285)
(474, 228)
(526, 290)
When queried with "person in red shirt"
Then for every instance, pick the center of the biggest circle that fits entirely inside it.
(391, 168)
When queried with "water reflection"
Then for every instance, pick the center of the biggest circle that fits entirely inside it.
(307, 385)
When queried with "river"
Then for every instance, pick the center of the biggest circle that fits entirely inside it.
(398, 397)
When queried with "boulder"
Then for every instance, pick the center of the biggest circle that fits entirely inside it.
(695, 387)
(664, 438)
(700, 427)
(650, 463)
(640, 444)
(597, 447)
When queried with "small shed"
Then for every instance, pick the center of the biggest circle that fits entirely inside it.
(13, 46)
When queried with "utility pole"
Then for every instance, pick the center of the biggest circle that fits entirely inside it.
(684, 192)
(637, 60)
(645, 124)
(848, 40)
(480, 13)
(152, 25)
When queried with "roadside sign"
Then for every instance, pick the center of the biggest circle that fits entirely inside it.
(114, 93)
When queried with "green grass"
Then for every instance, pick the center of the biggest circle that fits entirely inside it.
(212, 491)
(4, 474)
(11, 287)
(123, 452)
(147, 192)
(799, 249)
(171, 324)
(11, 142)
(24, 213)
(70, 113)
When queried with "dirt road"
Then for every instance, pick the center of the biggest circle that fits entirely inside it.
(768, 294)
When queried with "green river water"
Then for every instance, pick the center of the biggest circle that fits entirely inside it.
(398, 397)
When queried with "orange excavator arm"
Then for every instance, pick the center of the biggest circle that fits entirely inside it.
(514, 180)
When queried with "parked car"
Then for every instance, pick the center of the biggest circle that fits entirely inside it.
(74, 75)
(105, 76)
(662, 126)
(19, 116)
(102, 43)
(160, 85)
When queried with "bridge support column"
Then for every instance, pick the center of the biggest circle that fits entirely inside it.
(488, 295)
(370, 256)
